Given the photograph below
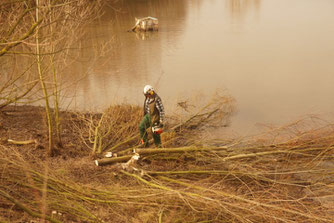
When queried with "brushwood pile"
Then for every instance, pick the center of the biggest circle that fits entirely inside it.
(284, 174)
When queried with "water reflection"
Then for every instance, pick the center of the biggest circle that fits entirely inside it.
(240, 8)
(269, 64)
(130, 59)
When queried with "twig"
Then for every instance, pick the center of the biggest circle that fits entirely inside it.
(25, 209)
(252, 202)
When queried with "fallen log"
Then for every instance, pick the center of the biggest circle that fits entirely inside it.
(106, 161)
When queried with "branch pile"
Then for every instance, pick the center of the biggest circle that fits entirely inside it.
(116, 128)
(262, 179)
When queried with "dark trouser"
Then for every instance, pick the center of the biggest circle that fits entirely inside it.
(144, 124)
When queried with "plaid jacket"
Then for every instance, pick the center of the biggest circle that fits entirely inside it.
(159, 106)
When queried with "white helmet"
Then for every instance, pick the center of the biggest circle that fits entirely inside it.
(148, 89)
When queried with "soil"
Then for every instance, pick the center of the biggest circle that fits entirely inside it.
(26, 122)
(21, 123)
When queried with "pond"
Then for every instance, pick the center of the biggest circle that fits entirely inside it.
(274, 57)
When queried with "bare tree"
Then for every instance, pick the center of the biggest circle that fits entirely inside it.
(17, 70)
(38, 39)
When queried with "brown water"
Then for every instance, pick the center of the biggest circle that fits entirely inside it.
(275, 57)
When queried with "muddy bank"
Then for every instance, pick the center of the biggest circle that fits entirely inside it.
(272, 177)
(22, 123)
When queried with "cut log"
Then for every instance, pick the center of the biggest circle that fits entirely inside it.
(106, 161)
(31, 141)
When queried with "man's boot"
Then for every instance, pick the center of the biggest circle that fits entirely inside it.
(143, 144)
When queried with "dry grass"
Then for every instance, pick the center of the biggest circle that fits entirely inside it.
(101, 131)
(284, 175)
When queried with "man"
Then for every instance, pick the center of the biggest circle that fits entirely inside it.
(153, 117)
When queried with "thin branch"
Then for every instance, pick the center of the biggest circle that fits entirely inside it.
(26, 209)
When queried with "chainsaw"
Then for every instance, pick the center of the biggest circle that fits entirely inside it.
(157, 128)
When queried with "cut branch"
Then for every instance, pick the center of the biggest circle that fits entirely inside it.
(26, 142)
(107, 161)
(252, 202)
